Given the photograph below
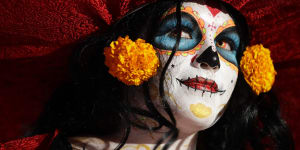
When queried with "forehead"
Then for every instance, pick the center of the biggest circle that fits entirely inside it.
(209, 14)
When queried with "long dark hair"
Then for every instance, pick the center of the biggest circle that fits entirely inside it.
(82, 106)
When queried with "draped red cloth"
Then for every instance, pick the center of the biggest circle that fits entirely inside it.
(37, 142)
(37, 38)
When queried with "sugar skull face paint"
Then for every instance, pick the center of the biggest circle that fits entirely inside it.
(203, 72)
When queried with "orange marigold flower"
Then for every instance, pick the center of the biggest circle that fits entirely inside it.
(131, 62)
(258, 68)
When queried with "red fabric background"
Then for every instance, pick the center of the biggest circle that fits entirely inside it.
(37, 38)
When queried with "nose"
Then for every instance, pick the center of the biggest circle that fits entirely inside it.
(209, 59)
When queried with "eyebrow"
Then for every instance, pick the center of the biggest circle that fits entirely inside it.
(184, 15)
(228, 30)
(188, 21)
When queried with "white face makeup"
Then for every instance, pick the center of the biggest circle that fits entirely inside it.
(203, 72)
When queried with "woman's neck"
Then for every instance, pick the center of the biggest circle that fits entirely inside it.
(144, 139)
(148, 140)
(137, 140)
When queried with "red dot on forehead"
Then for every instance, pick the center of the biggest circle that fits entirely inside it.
(213, 11)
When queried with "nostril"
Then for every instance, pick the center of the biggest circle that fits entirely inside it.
(216, 67)
(204, 65)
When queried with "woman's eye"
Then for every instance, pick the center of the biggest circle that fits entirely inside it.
(166, 35)
(183, 34)
(223, 45)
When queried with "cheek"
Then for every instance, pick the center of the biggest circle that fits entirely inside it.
(200, 110)
(230, 56)
(231, 65)
(177, 63)
(227, 76)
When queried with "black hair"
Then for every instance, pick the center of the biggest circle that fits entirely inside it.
(81, 107)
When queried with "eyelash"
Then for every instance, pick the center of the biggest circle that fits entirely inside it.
(227, 41)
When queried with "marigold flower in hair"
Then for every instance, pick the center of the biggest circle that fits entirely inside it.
(131, 62)
(258, 68)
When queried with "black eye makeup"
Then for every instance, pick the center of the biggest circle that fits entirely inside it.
(165, 37)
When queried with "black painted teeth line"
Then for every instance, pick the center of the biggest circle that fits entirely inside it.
(211, 86)
(203, 91)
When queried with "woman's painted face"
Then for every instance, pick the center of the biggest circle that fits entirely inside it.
(203, 72)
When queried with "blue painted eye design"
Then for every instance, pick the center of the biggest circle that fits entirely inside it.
(227, 44)
(165, 37)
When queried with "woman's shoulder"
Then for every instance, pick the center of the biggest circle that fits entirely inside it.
(91, 143)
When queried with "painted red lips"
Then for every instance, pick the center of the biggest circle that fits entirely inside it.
(200, 83)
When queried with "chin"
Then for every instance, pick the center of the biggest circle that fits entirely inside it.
(190, 125)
